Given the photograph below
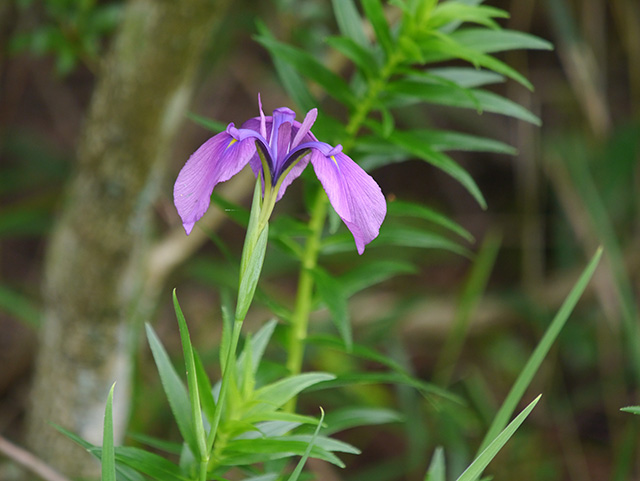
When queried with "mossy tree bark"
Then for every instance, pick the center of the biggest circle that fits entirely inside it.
(95, 262)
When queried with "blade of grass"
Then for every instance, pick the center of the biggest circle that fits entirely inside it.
(296, 472)
(471, 293)
(483, 459)
(540, 352)
(108, 451)
(192, 381)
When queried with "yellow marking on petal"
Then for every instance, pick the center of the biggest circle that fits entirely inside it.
(233, 141)
(333, 157)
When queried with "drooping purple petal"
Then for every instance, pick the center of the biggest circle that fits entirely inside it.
(217, 160)
(353, 193)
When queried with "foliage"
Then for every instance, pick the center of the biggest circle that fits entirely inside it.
(436, 54)
(71, 30)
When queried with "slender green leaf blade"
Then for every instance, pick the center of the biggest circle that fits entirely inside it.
(279, 392)
(370, 273)
(375, 13)
(311, 68)
(349, 21)
(356, 53)
(298, 469)
(350, 417)
(540, 352)
(491, 41)
(401, 208)
(414, 144)
(478, 99)
(631, 409)
(108, 452)
(475, 469)
(174, 390)
(289, 77)
(437, 468)
(192, 380)
(149, 463)
(335, 298)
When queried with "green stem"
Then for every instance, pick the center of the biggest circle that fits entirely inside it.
(300, 318)
(226, 377)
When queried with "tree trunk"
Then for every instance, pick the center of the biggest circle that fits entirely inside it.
(97, 252)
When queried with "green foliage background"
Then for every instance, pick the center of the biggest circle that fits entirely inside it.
(452, 292)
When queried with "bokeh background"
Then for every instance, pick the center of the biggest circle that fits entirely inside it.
(571, 186)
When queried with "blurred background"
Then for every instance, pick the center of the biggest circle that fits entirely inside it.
(571, 186)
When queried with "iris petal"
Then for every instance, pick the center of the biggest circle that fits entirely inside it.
(353, 193)
(217, 160)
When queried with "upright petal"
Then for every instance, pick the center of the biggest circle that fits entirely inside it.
(217, 160)
(353, 193)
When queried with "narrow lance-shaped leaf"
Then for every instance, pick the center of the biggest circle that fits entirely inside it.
(334, 297)
(289, 77)
(192, 380)
(298, 469)
(437, 468)
(375, 13)
(311, 68)
(108, 451)
(422, 149)
(540, 352)
(475, 469)
(174, 390)
(349, 21)
(356, 53)
(253, 253)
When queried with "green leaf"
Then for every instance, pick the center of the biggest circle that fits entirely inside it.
(19, 306)
(437, 468)
(108, 452)
(289, 77)
(324, 442)
(255, 247)
(192, 380)
(447, 45)
(149, 463)
(466, 77)
(350, 417)
(311, 68)
(450, 140)
(207, 123)
(334, 297)
(204, 388)
(349, 21)
(370, 273)
(396, 236)
(471, 99)
(540, 352)
(280, 416)
(375, 13)
(448, 12)
(416, 145)
(355, 52)
(425, 388)
(631, 409)
(278, 393)
(298, 469)
(123, 472)
(174, 390)
(250, 451)
(491, 41)
(357, 350)
(257, 346)
(399, 208)
(476, 468)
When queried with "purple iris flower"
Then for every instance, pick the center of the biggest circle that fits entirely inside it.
(279, 148)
